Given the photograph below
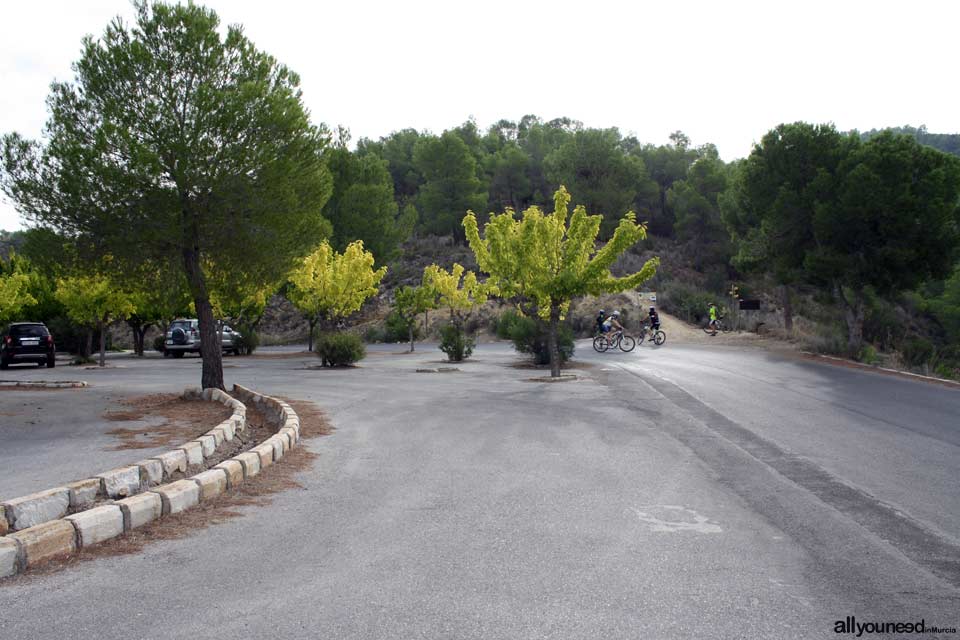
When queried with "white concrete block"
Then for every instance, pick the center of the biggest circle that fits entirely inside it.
(120, 483)
(83, 493)
(172, 462)
(208, 445)
(265, 451)
(97, 524)
(217, 434)
(234, 471)
(151, 473)
(250, 461)
(178, 496)
(212, 483)
(8, 557)
(227, 427)
(37, 508)
(140, 509)
(194, 453)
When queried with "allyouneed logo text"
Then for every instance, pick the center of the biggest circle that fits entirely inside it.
(849, 625)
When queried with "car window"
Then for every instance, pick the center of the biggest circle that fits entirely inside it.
(180, 324)
(29, 331)
(227, 329)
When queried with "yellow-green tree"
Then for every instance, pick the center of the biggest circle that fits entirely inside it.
(461, 292)
(410, 302)
(94, 301)
(328, 286)
(14, 294)
(544, 262)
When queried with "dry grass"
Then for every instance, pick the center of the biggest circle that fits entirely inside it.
(255, 492)
(182, 420)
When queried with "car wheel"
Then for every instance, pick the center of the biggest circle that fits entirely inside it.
(3, 363)
(177, 354)
(51, 363)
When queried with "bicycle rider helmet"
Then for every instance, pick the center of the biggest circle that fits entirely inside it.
(615, 314)
(653, 308)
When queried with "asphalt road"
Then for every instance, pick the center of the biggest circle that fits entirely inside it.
(680, 492)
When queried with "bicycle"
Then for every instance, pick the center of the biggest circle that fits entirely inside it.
(657, 336)
(617, 339)
(719, 325)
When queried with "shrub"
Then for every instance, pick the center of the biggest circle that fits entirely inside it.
(868, 355)
(396, 329)
(375, 333)
(830, 343)
(453, 342)
(504, 322)
(530, 336)
(249, 340)
(916, 351)
(159, 343)
(339, 349)
(687, 302)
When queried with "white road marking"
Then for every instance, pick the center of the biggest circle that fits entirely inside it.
(668, 518)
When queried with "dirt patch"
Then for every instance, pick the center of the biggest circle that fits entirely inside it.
(180, 420)
(255, 492)
(570, 364)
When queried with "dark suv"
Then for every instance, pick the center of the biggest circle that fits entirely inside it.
(27, 342)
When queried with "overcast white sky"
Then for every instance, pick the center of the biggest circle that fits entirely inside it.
(721, 71)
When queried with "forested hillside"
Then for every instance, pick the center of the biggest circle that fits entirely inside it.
(849, 240)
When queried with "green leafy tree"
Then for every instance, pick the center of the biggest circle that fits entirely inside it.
(410, 302)
(892, 222)
(695, 205)
(771, 208)
(451, 183)
(175, 141)
(397, 150)
(595, 167)
(665, 165)
(362, 206)
(94, 301)
(328, 286)
(159, 294)
(545, 263)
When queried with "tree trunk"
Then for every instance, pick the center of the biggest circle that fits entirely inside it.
(87, 350)
(552, 341)
(139, 337)
(312, 323)
(853, 315)
(212, 374)
(787, 308)
(410, 329)
(101, 325)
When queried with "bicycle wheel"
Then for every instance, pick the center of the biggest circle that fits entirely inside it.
(659, 338)
(626, 343)
(707, 328)
(600, 344)
(724, 327)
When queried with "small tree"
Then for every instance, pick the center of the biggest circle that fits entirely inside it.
(94, 301)
(461, 292)
(14, 291)
(544, 263)
(328, 286)
(409, 303)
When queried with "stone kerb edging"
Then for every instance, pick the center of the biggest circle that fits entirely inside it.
(44, 384)
(61, 534)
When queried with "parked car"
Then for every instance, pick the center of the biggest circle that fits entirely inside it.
(183, 336)
(27, 342)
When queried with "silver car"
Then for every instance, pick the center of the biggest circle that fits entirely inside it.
(183, 336)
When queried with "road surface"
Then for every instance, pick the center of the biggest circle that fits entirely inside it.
(681, 492)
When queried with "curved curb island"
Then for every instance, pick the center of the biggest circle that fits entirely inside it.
(37, 527)
(43, 384)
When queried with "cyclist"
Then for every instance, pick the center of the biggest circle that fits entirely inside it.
(713, 318)
(654, 319)
(612, 324)
(601, 316)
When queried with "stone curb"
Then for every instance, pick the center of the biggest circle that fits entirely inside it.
(38, 384)
(67, 534)
(874, 367)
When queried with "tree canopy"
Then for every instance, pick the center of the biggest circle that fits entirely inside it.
(175, 140)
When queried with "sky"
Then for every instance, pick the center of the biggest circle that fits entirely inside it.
(722, 72)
